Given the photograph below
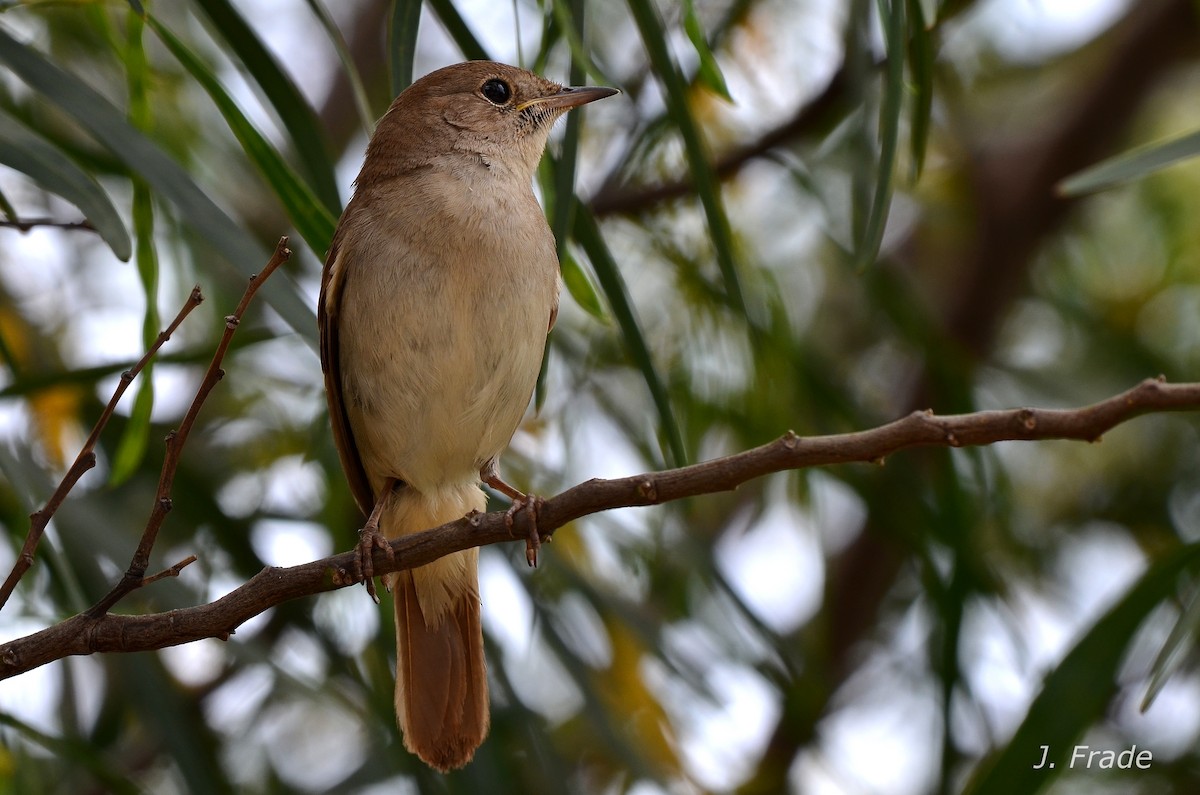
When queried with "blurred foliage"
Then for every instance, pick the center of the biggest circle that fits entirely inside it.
(799, 215)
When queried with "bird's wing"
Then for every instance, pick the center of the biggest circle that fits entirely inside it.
(332, 279)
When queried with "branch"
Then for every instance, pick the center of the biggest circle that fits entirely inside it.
(614, 199)
(86, 459)
(26, 224)
(88, 633)
(135, 575)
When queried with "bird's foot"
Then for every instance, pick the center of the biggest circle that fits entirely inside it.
(533, 541)
(369, 540)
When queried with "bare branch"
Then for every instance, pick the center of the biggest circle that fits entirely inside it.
(86, 459)
(26, 224)
(88, 633)
(135, 575)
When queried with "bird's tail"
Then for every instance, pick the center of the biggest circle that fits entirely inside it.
(441, 679)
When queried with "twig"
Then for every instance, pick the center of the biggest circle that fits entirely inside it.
(135, 575)
(86, 459)
(25, 224)
(615, 199)
(87, 633)
(171, 572)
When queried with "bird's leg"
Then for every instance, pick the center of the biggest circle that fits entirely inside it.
(490, 474)
(371, 539)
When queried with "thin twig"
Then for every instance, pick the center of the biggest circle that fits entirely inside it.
(135, 575)
(25, 224)
(87, 633)
(171, 572)
(86, 459)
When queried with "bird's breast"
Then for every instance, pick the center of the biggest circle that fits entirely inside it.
(443, 319)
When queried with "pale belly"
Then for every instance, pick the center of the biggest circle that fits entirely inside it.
(443, 364)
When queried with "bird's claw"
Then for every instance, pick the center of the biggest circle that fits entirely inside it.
(369, 540)
(533, 541)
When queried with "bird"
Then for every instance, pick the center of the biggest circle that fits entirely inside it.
(437, 295)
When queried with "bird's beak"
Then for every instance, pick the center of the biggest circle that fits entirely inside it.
(570, 97)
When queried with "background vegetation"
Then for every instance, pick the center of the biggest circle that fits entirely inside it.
(805, 215)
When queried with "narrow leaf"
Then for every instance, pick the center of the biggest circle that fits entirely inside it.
(299, 121)
(1131, 165)
(459, 31)
(889, 135)
(1077, 691)
(402, 42)
(568, 16)
(141, 155)
(10, 212)
(1174, 651)
(708, 187)
(131, 448)
(312, 220)
(576, 280)
(587, 233)
(361, 104)
(710, 71)
(48, 166)
(921, 58)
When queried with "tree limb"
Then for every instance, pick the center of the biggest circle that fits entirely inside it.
(88, 634)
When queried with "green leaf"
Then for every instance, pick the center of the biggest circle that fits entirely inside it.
(568, 16)
(1131, 165)
(459, 31)
(710, 71)
(587, 233)
(131, 448)
(1174, 651)
(921, 58)
(299, 121)
(312, 220)
(576, 280)
(144, 157)
(10, 212)
(889, 134)
(361, 104)
(48, 166)
(402, 42)
(1078, 690)
(708, 187)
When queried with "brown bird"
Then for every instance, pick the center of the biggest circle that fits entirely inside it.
(438, 292)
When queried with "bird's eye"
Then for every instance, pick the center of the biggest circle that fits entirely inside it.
(496, 91)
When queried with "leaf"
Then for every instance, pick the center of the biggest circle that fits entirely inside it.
(23, 150)
(365, 117)
(311, 219)
(10, 212)
(889, 135)
(1131, 165)
(710, 70)
(299, 122)
(587, 233)
(131, 448)
(1174, 651)
(402, 42)
(921, 58)
(459, 31)
(1077, 691)
(142, 156)
(568, 16)
(576, 280)
(708, 187)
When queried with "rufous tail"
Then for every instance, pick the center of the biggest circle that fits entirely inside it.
(441, 678)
